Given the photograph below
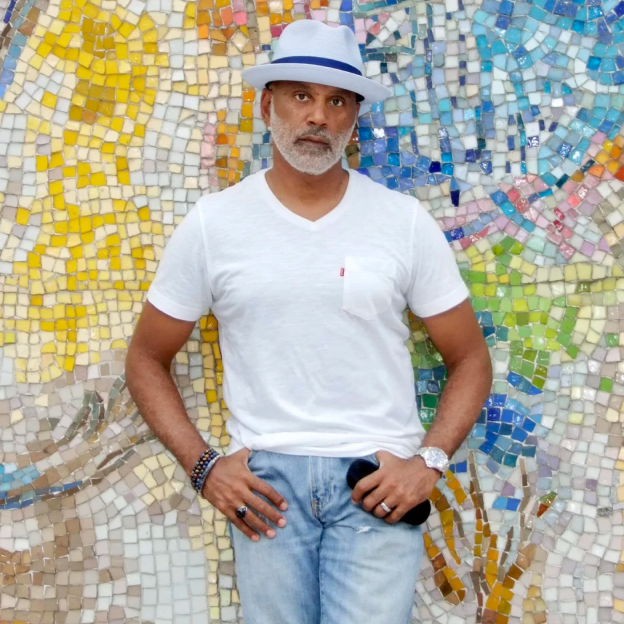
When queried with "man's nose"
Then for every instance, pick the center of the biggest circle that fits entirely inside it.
(317, 114)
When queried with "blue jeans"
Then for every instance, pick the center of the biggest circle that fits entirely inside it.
(333, 563)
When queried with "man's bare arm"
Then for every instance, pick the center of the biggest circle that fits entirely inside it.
(156, 340)
(458, 337)
(230, 483)
(404, 483)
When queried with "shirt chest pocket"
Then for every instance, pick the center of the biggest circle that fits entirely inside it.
(368, 285)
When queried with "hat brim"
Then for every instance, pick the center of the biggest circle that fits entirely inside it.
(370, 90)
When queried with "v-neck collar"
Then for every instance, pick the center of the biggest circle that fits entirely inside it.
(331, 217)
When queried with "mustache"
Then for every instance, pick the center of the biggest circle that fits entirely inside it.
(315, 132)
(329, 139)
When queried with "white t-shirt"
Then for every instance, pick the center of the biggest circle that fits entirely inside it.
(310, 313)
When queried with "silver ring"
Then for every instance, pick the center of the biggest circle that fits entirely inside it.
(241, 511)
(385, 507)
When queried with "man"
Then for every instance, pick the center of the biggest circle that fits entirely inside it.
(308, 269)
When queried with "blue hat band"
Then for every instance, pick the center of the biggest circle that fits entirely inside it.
(321, 62)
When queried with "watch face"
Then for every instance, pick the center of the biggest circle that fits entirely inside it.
(435, 458)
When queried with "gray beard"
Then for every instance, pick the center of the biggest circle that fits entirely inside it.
(303, 157)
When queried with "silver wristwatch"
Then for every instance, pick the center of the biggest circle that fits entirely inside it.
(434, 458)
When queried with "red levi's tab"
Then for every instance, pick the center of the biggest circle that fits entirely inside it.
(342, 272)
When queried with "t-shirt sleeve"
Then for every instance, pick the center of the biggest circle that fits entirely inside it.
(181, 287)
(436, 284)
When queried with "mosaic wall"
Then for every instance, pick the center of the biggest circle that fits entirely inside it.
(506, 121)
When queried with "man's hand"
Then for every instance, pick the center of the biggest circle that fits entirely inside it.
(231, 484)
(399, 483)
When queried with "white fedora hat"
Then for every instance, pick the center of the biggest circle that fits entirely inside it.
(311, 51)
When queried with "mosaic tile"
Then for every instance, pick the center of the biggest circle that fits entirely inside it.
(505, 121)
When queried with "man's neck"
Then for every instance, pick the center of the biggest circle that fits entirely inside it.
(309, 196)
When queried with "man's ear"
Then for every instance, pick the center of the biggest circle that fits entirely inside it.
(357, 114)
(265, 105)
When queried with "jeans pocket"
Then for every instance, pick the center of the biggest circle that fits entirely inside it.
(253, 454)
(372, 457)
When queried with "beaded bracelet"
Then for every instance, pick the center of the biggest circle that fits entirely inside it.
(206, 466)
(204, 474)
(203, 466)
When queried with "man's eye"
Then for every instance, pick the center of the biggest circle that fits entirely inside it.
(337, 102)
(301, 96)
